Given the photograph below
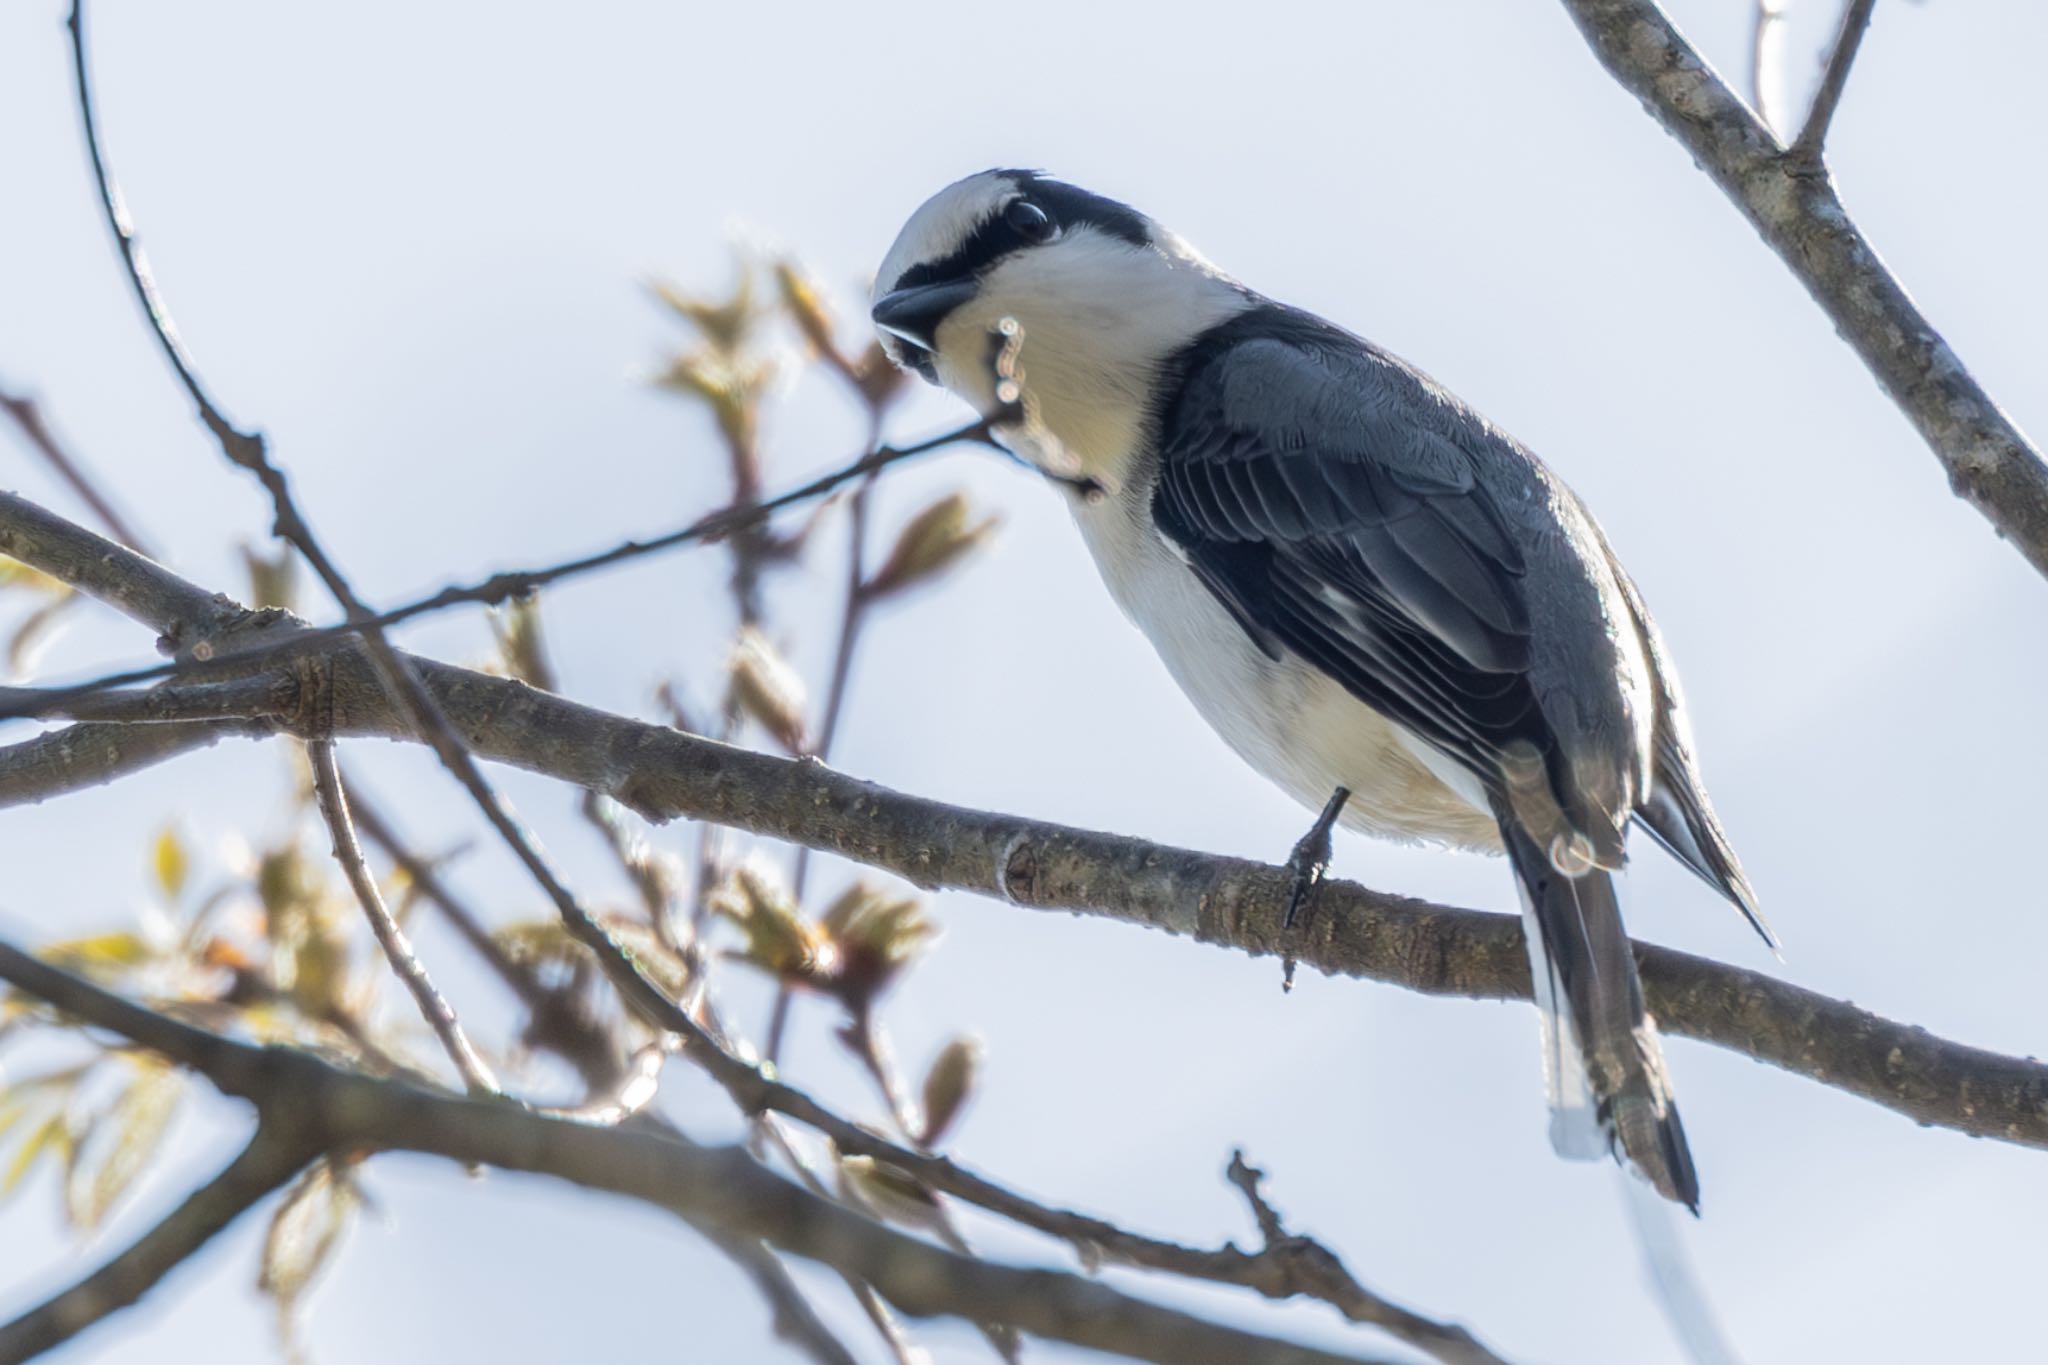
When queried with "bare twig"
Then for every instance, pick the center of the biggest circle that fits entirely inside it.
(139, 277)
(263, 695)
(1988, 459)
(28, 418)
(1812, 138)
(556, 1022)
(1289, 1265)
(794, 1320)
(266, 1165)
(852, 616)
(405, 963)
(719, 1186)
(123, 588)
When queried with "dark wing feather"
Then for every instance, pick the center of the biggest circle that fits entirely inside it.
(1317, 489)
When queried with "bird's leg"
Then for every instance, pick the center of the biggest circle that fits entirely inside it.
(1309, 860)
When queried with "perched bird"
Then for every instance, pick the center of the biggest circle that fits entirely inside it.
(1382, 601)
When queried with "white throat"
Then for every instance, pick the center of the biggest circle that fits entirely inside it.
(1099, 317)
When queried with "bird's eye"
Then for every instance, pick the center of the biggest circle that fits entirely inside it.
(1029, 221)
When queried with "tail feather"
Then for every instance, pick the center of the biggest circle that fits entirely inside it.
(1605, 1071)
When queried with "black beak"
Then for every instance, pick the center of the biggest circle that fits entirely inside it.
(914, 314)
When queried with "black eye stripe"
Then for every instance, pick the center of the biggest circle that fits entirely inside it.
(992, 241)
(1067, 206)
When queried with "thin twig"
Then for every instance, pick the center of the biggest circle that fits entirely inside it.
(497, 588)
(853, 614)
(267, 1164)
(29, 419)
(793, 1318)
(1855, 21)
(138, 272)
(261, 695)
(433, 1006)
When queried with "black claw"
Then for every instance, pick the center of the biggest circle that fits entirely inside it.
(1309, 860)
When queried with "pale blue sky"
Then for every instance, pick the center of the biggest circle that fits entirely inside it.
(406, 241)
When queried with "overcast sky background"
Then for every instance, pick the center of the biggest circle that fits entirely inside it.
(407, 241)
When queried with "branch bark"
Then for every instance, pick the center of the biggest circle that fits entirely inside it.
(1789, 197)
(1438, 950)
(323, 1108)
(266, 1165)
(81, 756)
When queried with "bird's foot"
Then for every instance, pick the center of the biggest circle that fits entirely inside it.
(1309, 860)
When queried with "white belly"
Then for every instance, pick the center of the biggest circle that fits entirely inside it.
(1291, 722)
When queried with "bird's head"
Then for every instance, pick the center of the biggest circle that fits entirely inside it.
(1103, 295)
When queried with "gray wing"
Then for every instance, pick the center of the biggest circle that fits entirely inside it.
(1676, 810)
(1346, 509)
(1334, 500)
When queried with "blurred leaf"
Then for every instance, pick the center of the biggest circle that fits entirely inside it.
(805, 304)
(309, 959)
(52, 1136)
(535, 942)
(779, 939)
(15, 574)
(102, 957)
(766, 689)
(121, 1141)
(726, 323)
(316, 1212)
(285, 883)
(521, 650)
(170, 863)
(273, 580)
(319, 975)
(876, 936)
(881, 382)
(891, 1193)
(930, 543)
(732, 386)
(948, 1086)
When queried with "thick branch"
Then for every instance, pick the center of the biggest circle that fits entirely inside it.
(131, 584)
(720, 1186)
(81, 756)
(266, 1165)
(666, 774)
(1791, 201)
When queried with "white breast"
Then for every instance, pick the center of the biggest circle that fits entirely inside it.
(1291, 722)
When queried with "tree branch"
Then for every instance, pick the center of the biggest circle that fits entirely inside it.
(28, 419)
(1813, 137)
(720, 1186)
(266, 1165)
(81, 756)
(405, 963)
(1794, 207)
(1438, 950)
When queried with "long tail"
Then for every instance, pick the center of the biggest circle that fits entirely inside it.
(1608, 1087)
